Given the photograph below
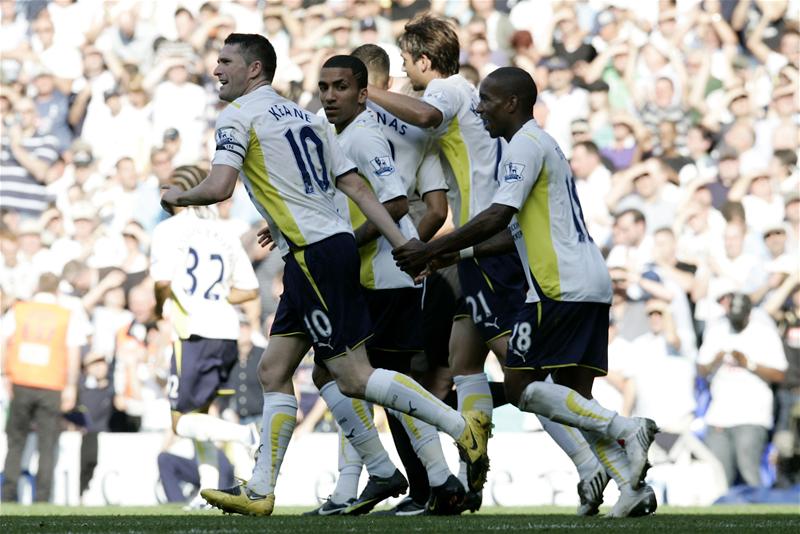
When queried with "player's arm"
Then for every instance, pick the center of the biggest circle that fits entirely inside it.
(240, 296)
(435, 214)
(216, 187)
(406, 108)
(162, 293)
(397, 208)
(414, 256)
(357, 190)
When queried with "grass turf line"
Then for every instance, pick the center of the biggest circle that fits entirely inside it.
(58, 519)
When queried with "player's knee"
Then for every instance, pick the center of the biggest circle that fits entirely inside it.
(352, 385)
(176, 416)
(320, 376)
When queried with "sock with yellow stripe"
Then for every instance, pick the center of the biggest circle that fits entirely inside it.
(612, 457)
(279, 416)
(566, 406)
(207, 464)
(354, 417)
(204, 427)
(473, 393)
(425, 441)
(573, 444)
(350, 466)
(401, 393)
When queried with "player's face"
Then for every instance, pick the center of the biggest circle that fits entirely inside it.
(490, 108)
(232, 73)
(414, 72)
(341, 98)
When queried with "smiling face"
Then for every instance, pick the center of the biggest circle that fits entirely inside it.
(415, 72)
(232, 72)
(341, 98)
(491, 108)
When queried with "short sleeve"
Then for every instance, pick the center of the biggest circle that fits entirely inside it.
(232, 138)
(430, 175)
(444, 97)
(340, 163)
(163, 255)
(373, 157)
(519, 168)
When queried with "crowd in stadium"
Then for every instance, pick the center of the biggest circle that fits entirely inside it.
(681, 121)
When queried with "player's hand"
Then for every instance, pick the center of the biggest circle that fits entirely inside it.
(169, 198)
(412, 257)
(265, 238)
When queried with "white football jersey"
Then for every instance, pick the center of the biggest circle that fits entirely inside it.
(549, 230)
(202, 260)
(414, 152)
(366, 146)
(289, 160)
(470, 152)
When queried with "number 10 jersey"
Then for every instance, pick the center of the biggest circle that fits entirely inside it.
(288, 160)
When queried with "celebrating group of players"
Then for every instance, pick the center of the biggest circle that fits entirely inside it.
(366, 284)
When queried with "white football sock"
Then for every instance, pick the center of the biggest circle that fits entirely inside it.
(566, 406)
(350, 465)
(354, 417)
(574, 445)
(425, 442)
(204, 427)
(207, 464)
(473, 393)
(612, 457)
(399, 392)
(279, 416)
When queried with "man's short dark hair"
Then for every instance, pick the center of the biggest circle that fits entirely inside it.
(254, 47)
(589, 146)
(355, 65)
(375, 59)
(516, 81)
(432, 37)
(638, 216)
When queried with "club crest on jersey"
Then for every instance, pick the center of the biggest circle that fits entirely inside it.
(382, 165)
(513, 172)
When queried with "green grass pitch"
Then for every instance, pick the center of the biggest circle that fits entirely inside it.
(58, 519)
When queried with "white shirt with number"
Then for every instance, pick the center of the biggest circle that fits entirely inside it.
(365, 145)
(202, 260)
(470, 152)
(549, 230)
(288, 160)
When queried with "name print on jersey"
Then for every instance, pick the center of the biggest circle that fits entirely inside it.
(279, 111)
(399, 127)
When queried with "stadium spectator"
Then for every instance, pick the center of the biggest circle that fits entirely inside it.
(42, 341)
(95, 403)
(741, 357)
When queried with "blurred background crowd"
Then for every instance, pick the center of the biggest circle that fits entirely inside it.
(681, 120)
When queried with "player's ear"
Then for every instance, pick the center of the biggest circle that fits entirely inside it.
(511, 103)
(362, 95)
(255, 69)
(425, 63)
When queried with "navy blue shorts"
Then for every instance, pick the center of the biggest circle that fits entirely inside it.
(552, 334)
(198, 369)
(492, 292)
(439, 306)
(396, 318)
(323, 298)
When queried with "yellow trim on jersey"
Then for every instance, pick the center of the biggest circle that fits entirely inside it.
(226, 391)
(515, 368)
(236, 104)
(180, 318)
(178, 348)
(368, 251)
(485, 276)
(266, 194)
(354, 347)
(498, 336)
(534, 220)
(300, 258)
(455, 150)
